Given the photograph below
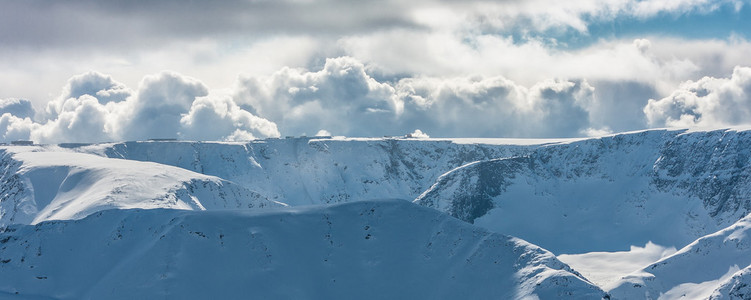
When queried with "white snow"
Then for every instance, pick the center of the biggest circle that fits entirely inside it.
(593, 202)
(736, 287)
(60, 185)
(509, 141)
(599, 193)
(305, 171)
(605, 268)
(386, 249)
(695, 270)
(700, 290)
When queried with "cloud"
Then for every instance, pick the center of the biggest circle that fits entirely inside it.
(354, 67)
(418, 134)
(156, 110)
(86, 23)
(340, 97)
(220, 118)
(45, 44)
(323, 132)
(709, 102)
(101, 86)
(618, 104)
(18, 107)
(13, 128)
(543, 15)
(496, 107)
(95, 108)
(95, 84)
(82, 119)
(667, 61)
(343, 98)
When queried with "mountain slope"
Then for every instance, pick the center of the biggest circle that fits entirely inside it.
(303, 171)
(366, 250)
(698, 269)
(736, 287)
(39, 184)
(607, 194)
(665, 188)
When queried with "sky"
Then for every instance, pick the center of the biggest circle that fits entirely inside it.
(99, 71)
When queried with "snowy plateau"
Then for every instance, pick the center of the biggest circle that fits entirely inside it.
(655, 214)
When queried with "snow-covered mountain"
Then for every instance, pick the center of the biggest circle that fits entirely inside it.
(595, 202)
(608, 193)
(388, 249)
(714, 265)
(39, 184)
(319, 170)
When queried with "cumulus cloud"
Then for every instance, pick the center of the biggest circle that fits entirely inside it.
(418, 134)
(219, 117)
(345, 99)
(340, 97)
(520, 40)
(156, 111)
(452, 68)
(95, 108)
(708, 102)
(80, 119)
(17, 107)
(102, 87)
(13, 128)
(496, 106)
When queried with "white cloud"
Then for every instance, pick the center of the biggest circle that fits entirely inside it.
(344, 97)
(341, 97)
(429, 64)
(495, 106)
(709, 102)
(156, 110)
(220, 118)
(101, 86)
(13, 128)
(323, 132)
(18, 107)
(80, 119)
(595, 132)
(661, 60)
(418, 134)
(95, 108)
